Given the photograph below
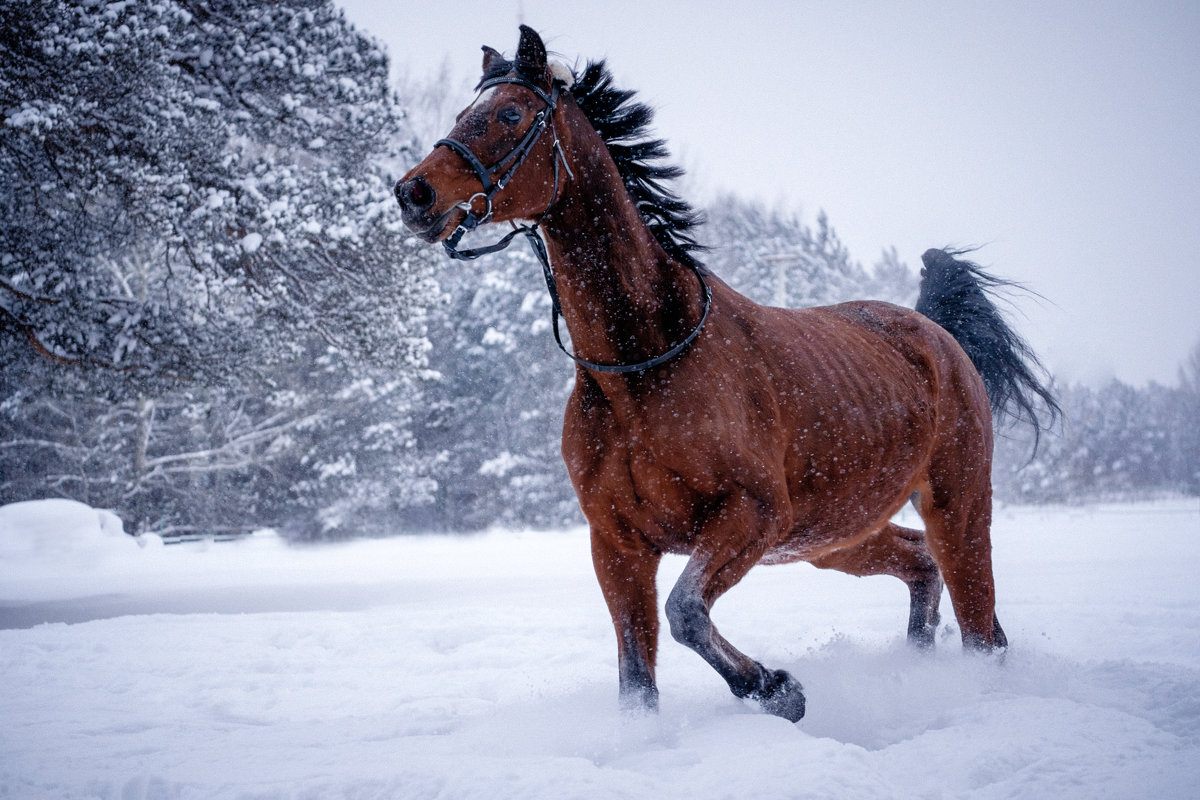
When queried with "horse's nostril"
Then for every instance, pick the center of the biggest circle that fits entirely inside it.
(415, 194)
(420, 193)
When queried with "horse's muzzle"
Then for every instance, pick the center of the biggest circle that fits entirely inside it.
(415, 196)
(417, 199)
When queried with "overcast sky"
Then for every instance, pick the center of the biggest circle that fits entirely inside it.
(1064, 137)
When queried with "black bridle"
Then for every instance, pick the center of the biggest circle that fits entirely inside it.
(509, 164)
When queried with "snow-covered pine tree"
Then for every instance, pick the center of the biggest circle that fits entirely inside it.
(1117, 442)
(193, 193)
(492, 424)
(190, 183)
(1185, 425)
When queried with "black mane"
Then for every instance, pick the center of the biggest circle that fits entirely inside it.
(624, 126)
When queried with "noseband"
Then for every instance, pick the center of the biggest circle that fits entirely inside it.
(510, 163)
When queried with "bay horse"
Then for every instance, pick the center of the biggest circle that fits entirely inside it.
(705, 424)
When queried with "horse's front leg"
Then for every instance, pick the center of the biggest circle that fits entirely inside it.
(731, 543)
(626, 568)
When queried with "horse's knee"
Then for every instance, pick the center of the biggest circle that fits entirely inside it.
(688, 618)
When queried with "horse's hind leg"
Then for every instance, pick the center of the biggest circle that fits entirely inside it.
(724, 555)
(958, 517)
(899, 551)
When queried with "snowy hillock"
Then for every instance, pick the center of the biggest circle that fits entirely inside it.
(48, 530)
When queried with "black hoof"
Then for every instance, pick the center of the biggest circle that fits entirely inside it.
(1001, 641)
(781, 695)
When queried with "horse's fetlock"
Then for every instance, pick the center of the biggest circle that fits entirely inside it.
(751, 687)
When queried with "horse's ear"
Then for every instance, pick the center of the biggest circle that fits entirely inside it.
(491, 58)
(531, 55)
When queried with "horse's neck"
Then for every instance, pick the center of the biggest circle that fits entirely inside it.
(624, 300)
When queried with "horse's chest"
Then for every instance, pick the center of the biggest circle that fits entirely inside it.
(651, 478)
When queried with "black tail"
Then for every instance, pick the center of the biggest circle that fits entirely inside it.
(954, 294)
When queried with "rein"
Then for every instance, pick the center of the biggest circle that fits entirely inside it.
(512, 161)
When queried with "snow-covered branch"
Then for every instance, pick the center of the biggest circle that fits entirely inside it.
(233, 446)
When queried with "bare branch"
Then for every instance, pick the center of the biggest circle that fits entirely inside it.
(231, 447)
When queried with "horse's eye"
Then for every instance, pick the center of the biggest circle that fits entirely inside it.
(509, 116)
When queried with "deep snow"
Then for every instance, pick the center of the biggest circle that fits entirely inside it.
(484, 666)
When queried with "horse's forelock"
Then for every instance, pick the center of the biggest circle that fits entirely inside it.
(559, 70)
(562, 72)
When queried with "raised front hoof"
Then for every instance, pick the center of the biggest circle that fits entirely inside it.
(782, 695)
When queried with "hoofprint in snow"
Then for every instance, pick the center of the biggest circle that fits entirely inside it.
(482, 666)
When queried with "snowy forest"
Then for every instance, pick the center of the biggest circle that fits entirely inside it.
(212, 319)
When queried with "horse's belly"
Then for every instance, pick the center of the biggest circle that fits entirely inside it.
(841, 527)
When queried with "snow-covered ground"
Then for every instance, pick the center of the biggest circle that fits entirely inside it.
(484, 667)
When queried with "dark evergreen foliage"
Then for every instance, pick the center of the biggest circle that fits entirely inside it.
(199, 267)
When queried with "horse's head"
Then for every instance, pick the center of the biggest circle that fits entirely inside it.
(507, 133)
